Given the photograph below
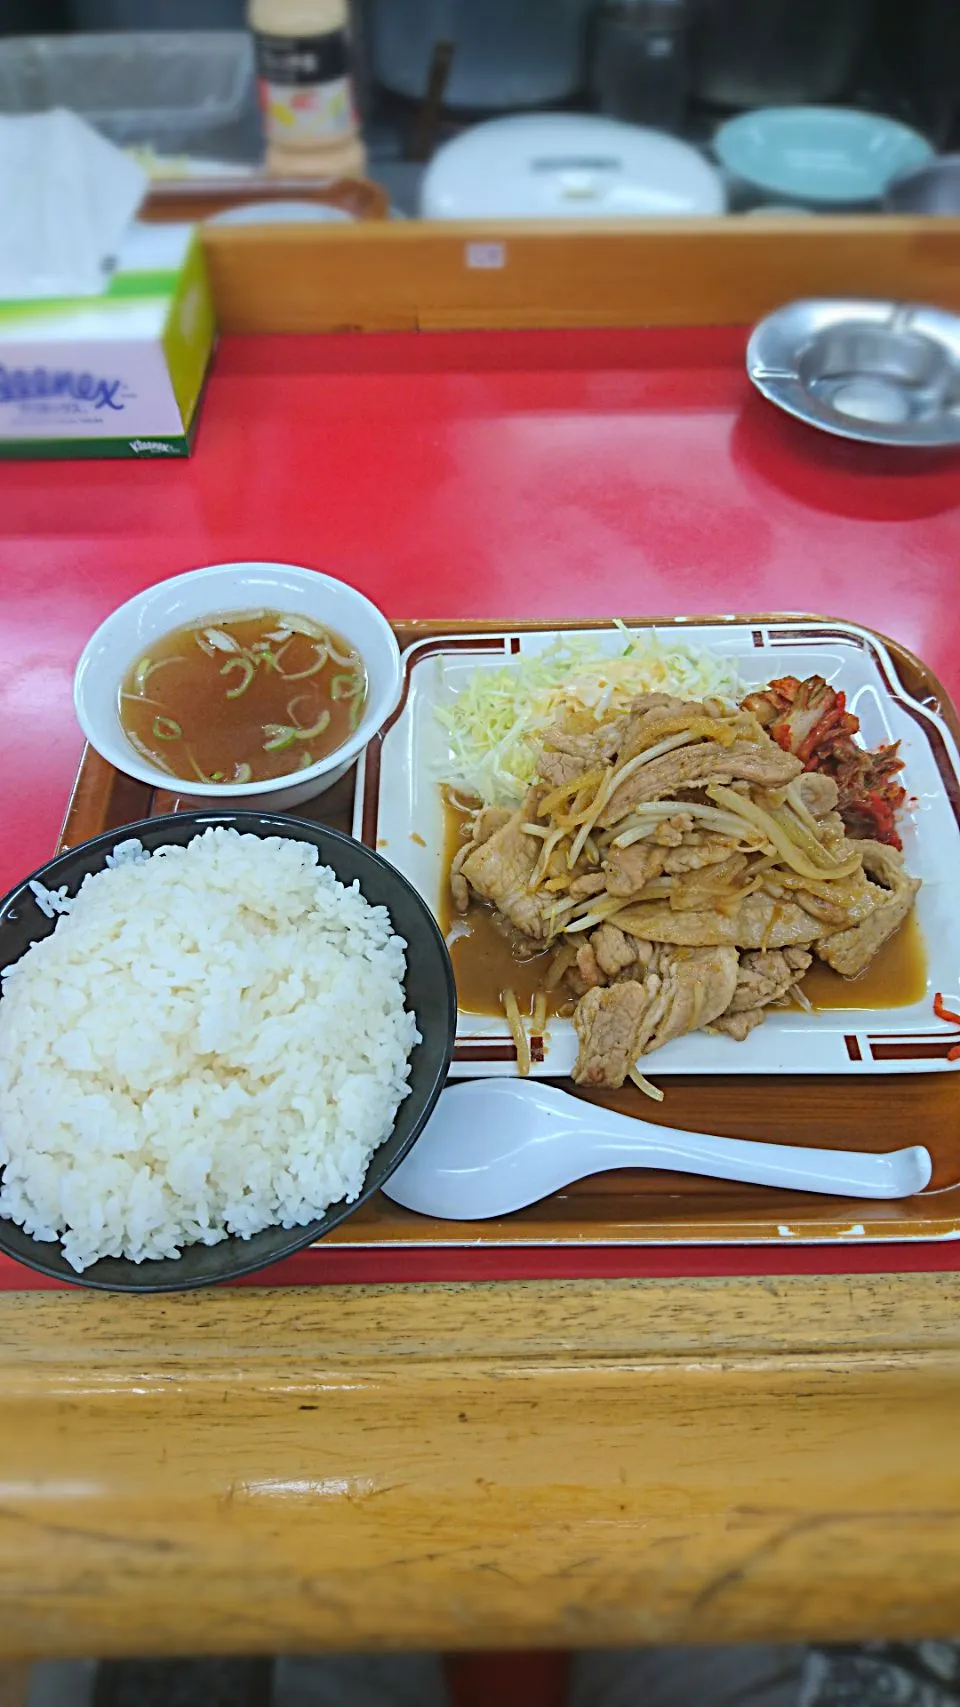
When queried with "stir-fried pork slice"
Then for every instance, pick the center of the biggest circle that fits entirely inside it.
(760, 762)
(711, 887)
(563, 756)
(652, 716)
(762, 980)
(614, 952)
(696, 986)
(557, 769)
(758, 922)
(739, 1026)
(850, 951)
(841, 904)
(616, 1025)
(626, 870)
(818, 793)
(670, 832)
(673, 848)
(588, 968)
(589, 883)
(765, 978)
(607, 1023)
(698, 849)
(500, 871)
(487, 822)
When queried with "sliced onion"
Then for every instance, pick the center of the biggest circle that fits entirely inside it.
(784, 843)
(517, 1032)
(314, 669)
(645, 1085)
(147, 753)
(220, 641)
(541, 869)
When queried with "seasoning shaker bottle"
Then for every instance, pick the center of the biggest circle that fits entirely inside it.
(302, 50)
(639, 63)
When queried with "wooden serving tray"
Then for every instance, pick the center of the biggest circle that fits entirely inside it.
(639, 1207)
(198, 198)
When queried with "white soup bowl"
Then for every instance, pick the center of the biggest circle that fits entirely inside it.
(219, 591)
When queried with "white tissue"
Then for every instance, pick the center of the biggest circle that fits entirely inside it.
(67, 195)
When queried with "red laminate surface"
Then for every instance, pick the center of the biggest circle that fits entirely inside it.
(474, 475)
(482, 474)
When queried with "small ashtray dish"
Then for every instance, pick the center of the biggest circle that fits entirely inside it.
(886, 373)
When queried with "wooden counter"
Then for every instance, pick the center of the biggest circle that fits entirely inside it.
(557, 1464)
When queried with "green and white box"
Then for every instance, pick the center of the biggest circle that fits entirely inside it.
(119, 374)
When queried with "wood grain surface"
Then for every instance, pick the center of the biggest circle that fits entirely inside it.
(541, 1464)
(419, 274)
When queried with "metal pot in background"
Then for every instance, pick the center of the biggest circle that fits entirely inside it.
(507, 53)
(932, 189)
(910, 67)
(159, 14)
(638, 61)
(33, 17)
(756, 53)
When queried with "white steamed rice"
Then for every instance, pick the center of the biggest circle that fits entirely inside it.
(213, 1040)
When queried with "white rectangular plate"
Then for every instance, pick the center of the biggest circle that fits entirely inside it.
(398, 810)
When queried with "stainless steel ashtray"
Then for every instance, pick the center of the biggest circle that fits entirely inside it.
(886, 373)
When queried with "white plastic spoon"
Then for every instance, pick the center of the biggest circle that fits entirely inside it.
(495, 1145)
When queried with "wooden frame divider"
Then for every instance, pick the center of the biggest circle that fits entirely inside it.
(421, 275)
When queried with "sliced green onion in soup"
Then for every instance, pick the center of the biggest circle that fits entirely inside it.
(317, 729)
(167, 729)
(344, 685)
(249, 669)
(261, 652)
(279, 735)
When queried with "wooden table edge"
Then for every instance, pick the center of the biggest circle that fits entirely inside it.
(535, 1464)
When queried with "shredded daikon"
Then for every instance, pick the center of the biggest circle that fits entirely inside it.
(495, 720)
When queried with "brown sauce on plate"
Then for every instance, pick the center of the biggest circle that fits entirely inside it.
(895, 978)
(484, 959)
(485, 962)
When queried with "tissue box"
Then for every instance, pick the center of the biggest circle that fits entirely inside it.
(119, 374)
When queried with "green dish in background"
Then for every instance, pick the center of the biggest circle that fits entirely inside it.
(821, 156)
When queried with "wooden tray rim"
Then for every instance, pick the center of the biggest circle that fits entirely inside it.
(95, 781)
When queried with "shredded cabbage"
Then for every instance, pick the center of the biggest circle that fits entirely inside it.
(495, 720)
